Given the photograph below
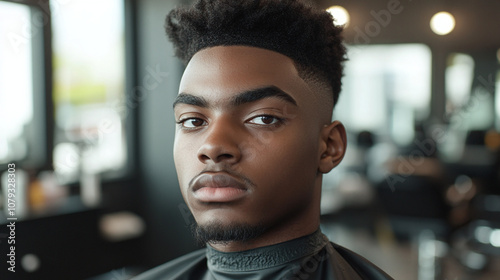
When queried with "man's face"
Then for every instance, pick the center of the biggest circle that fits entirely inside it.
(247, 141)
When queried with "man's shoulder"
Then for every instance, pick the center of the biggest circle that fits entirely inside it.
(365, 268)
(179, 269)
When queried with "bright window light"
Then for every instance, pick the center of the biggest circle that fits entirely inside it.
(381, 93)
(495, 238)
(458, 79)
(89, 87)
(16, 80)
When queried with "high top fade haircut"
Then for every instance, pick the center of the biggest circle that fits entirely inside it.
(290, 27)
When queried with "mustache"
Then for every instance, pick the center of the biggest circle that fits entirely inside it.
(228, 171)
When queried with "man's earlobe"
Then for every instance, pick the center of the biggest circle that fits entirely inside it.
(333, 145)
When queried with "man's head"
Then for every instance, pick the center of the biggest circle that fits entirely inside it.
(289, 27)
(254, 115)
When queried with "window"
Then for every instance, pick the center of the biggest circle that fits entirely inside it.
(459, 76)
(62, 87)
(89, 84)
(22, 86)
(468, 108)
(387, 88)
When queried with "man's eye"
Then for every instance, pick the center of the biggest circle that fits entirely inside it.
(266, 120)
(192, 122)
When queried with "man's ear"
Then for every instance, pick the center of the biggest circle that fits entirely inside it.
(332, 147)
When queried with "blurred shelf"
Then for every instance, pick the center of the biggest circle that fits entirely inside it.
(69, 205)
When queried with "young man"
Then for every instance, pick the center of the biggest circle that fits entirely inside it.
(254, 137)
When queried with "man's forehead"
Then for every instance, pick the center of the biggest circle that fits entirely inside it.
(241, 59)
(241, 51)
(237, 68)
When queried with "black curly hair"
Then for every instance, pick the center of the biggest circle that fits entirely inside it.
(290, 27)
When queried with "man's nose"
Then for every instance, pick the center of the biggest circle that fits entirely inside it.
(220, 143)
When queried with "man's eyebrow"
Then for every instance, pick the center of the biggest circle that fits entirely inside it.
(248, 96)
(261, 93)
(189, 99)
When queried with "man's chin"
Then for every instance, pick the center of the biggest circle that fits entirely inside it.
(219, 233)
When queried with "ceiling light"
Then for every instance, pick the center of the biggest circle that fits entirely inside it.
(340, 15)
(442, 23)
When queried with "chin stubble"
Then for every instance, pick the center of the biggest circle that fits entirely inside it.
(219, 233)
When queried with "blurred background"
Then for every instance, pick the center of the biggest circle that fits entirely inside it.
(86, 88)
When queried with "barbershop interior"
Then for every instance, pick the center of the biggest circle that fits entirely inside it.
(87, 127)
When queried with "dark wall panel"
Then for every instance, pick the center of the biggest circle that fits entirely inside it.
(159, 73)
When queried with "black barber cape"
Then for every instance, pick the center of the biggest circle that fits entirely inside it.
(311, 257)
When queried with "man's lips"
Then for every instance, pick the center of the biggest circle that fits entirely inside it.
(218, 187)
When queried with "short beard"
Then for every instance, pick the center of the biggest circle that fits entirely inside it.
(218, 233)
